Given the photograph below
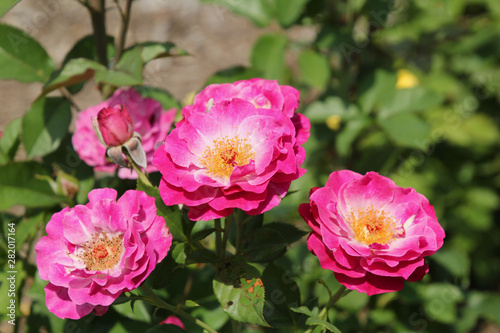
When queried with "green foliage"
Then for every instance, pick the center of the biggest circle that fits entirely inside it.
(6, 5)
(268, 56)
(21, 57)
(21, 185)
(240, 292)
(10, 140)
(45, 125)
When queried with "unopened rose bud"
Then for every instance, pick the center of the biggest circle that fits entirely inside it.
(115, 125)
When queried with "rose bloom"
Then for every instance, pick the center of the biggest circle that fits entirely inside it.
(234, 156)
(372, 234)
(262, 94)
(148, 118)
(94, 252)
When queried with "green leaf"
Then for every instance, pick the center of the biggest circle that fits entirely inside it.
(18, 186)
(191, 304)
(85, 48)
(118, 78)
(353, 302)
(27, 228)
(446, 295)
(349, 134)
(268, 56)
(281, 293)
(6, 5)
(171, 214)
(476, 130)
(45, 125)
(139, 312)
(259, 11)
(288, 232)
(263, 245)
(243, 301)
(131, 63)
(408, 100)
(288, 11)
(202, 256)
(165, 98)
(406, 129)
(240, 291)
(155, 50)
(377, 87)
(74, 71)
(128, 72)
(22, 58)
(314, 69)
(456, 261)
(9, 141)
(305, 310)
(202, 234)
(319, 111)
(178, 253)
(311, 321)
(487, 305)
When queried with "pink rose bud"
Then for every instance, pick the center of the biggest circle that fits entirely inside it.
(115, 125)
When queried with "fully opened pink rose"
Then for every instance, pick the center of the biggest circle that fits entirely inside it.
(149, 120)
(94, 252)
(234, 156)
(371, 233)
(261, 93)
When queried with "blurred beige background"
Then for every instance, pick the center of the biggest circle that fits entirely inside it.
(215, 38)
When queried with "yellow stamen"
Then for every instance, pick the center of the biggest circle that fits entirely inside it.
(371, 225)
(101, 252)
(225, 155)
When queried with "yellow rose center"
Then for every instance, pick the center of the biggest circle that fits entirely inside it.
(101, 252)
(371, 225)
(225, 154)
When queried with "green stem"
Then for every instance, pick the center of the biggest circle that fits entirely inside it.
(218, 238)
(239, 227)
(157, 301)
(97, 14)
(125, 18)
(342, 291)
(142, 176)
(225, 236)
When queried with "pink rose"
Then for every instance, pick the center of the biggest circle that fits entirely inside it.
(94, 252)
(234, 156)
(115, 125)
(262, 94)
(174, 321)
(148, 118)
(371, 233)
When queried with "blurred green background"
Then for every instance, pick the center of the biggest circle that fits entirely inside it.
(407, 88)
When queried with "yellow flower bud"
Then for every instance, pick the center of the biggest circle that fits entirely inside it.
(406, 79)
(333, 122)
